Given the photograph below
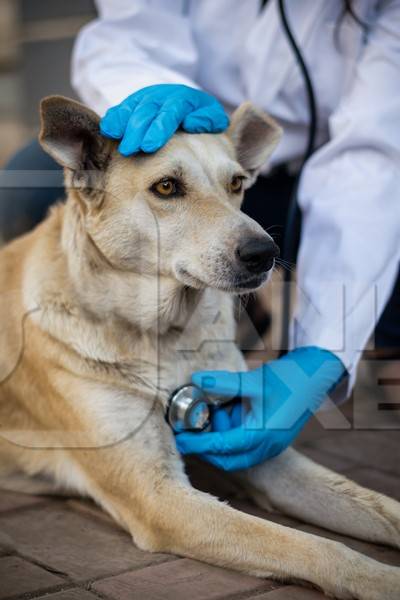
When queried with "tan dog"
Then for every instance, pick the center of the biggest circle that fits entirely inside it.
(110, 304)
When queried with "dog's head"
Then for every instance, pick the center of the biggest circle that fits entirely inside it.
(175, 213)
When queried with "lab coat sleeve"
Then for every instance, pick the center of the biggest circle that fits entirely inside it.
(350, 198)
(132, 44)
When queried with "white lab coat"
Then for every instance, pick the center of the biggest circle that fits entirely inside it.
(350, 188)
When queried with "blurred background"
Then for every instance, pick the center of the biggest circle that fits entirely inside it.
(36, 40)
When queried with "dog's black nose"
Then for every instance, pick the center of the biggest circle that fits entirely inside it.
(257, 254)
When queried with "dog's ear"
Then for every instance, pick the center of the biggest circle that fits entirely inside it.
(255, 136)
(70, 134)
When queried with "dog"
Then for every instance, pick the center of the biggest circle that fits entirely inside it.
(109, 305)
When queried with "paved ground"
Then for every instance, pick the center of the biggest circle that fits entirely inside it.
(69, 550)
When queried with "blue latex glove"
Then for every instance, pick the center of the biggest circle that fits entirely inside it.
(282, 395)
(147, 119)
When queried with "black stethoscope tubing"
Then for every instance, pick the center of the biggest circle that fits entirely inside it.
(293, 224)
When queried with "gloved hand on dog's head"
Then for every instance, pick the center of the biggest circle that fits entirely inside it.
(147, 119)
(283, 395)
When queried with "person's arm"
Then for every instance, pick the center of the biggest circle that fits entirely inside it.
(350, 198)
(133, 44)
(137, 61)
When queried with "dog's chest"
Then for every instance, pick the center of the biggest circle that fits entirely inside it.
(207, 342)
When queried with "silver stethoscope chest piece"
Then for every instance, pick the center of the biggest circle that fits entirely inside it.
(188, 409)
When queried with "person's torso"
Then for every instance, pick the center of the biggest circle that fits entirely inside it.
(244, 54)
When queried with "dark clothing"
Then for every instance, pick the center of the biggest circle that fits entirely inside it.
(21, 208)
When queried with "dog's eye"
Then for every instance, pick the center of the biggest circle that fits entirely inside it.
(166, 187)
(236, 185)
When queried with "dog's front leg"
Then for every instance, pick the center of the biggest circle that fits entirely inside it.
(140, 481)
(297, 486)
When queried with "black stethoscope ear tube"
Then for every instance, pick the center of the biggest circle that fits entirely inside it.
(293, 224)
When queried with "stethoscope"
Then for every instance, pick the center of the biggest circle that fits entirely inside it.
(188, 407)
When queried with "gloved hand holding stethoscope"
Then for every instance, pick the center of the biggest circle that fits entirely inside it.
(276, 400)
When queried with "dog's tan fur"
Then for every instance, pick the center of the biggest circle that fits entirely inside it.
(110, 304)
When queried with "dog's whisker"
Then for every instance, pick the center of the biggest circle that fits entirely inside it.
(286, 265)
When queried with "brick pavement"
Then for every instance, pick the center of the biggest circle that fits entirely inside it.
(67, 549)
